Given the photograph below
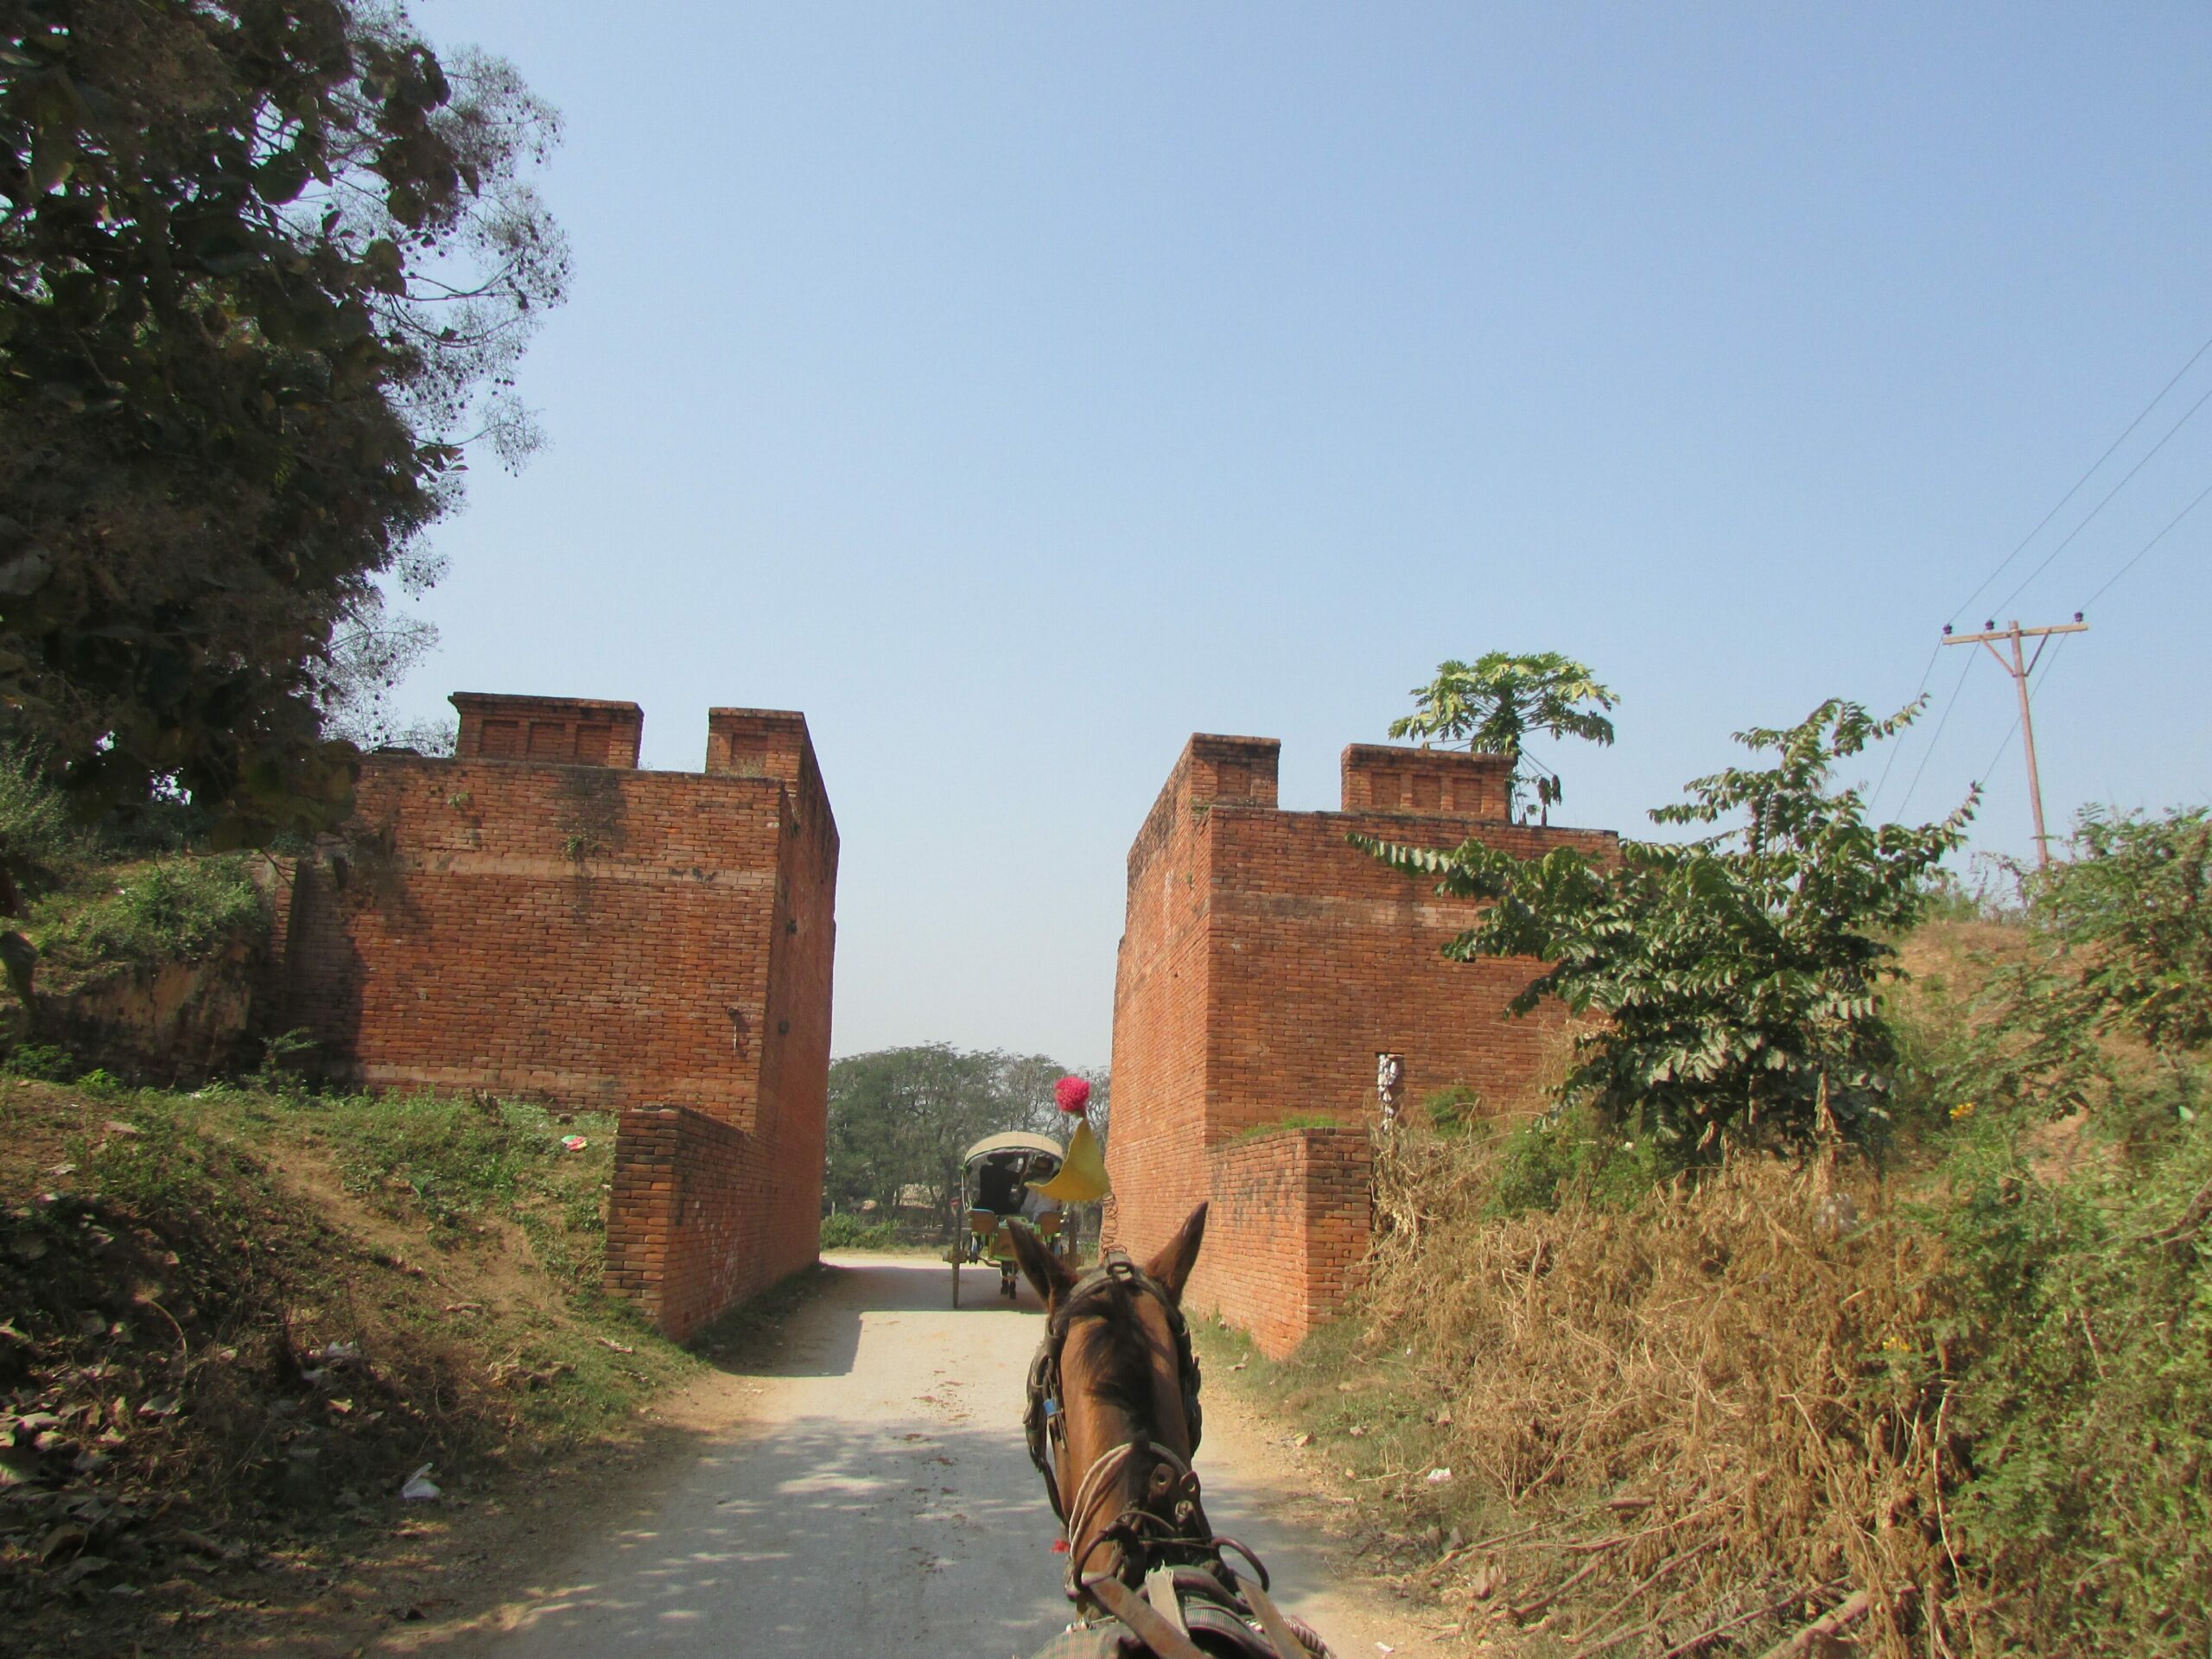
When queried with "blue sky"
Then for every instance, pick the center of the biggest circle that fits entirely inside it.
(1016, 390)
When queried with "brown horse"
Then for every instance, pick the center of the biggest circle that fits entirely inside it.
(1113, 1423)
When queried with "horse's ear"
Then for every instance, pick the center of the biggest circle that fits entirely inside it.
(1050, 1275)
(1172, 1266)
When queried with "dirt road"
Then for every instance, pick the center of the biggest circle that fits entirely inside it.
(879, 1501)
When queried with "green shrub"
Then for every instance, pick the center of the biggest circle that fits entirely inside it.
(175, 911)
(37, 837)
(2137, 897)
(1544, 1159)
(1454, 1110)
(849, 1232)
(2084, 1300)
(42, 1061)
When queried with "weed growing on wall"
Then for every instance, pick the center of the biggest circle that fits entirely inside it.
(174, 910)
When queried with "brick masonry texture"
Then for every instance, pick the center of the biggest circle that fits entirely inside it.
(1265, 963)
(573, 930)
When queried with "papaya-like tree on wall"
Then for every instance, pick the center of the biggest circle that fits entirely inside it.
(1496, 702)
(1731, 982)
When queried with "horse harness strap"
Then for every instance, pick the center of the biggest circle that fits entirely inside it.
(1203, 1594)
(1040, 1418)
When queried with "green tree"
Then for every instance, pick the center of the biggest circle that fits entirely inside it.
(1733, 977)
(2135, 899)
(265, 271)
(1494, 703)
(901, 1118)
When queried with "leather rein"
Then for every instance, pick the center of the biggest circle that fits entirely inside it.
(1167, 1548)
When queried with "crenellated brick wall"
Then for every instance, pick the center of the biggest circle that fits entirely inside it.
(568, 928)
(1265, 963)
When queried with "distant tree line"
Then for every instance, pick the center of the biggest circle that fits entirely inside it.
(901, 1118)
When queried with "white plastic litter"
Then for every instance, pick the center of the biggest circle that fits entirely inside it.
(1438, 1477)
(420, 1488)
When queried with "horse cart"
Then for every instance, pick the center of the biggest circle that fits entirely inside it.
(995, 1189)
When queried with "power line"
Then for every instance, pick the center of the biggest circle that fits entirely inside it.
(2148, 545)
(1964, 669)
(1881, 782)
(2013, 730)
(2006, 601)
(2084, 479)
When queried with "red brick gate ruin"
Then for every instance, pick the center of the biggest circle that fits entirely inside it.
(1266, 967)
(538, 918)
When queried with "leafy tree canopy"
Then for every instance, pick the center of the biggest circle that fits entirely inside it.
(901, 1118)
(1733, 976)
(266, 269)
(1494, 703)
(2136, 900)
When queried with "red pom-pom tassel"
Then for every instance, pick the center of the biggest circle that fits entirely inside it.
(1072, 1095)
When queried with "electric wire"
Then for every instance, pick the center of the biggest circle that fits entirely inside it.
(2147, 546)
(1952, 702)
(2145, 415)
(2013, 730)
(1882, 782)
(2008, 599)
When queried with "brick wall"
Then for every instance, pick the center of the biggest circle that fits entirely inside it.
(600, 936)
(1265, 963)
(1288, 1232)
(702, 1216)
(563, 731)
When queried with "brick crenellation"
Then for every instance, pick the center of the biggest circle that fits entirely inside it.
(1264, 964)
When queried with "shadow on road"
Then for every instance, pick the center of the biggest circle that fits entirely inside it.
(800, 1544)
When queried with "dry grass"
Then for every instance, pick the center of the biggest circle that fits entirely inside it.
(1717, 1403)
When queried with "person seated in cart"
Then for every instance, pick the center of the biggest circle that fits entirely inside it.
(1000, 1171)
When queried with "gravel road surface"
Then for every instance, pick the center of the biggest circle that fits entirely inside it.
(878, 1502)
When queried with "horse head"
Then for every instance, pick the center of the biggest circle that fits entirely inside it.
(1113, 1405)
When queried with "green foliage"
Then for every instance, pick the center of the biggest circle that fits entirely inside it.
(1735, 975)
(177, 910)
(2136, 900)
(38, 839)
(2076, 1191)
(1452, 1110)
(849, 1232)
(2084, 1324)
(1495, 702)
(42, 1061)
(266, 270)
(1572, 1151)
(900, 1118)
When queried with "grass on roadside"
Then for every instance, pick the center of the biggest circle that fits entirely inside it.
(235, 1321)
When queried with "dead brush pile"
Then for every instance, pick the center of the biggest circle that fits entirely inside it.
(1719, 1404)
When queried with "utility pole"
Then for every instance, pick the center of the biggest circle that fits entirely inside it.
(2019, 671)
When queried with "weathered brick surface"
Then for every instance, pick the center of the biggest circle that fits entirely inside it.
(561, 731)
(1265, 963)
(659, 944)
(702, 1216)
(1288, 1231)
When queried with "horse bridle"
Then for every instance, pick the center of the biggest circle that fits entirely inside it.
(1166, 1544)
(1041, 1422)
